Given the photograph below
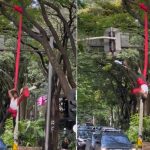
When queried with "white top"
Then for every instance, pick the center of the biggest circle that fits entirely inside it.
(13, 104)
(144, 87)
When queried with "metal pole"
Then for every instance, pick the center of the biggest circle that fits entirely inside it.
(141, 117)
(15, 145)
(48, 117)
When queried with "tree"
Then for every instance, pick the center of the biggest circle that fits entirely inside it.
(39, 31)
(42, 19)
(109, 77)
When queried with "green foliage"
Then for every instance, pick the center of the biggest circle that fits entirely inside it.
(31, 133)
(134, 126)
(133, 130)
(127, 54)
(7, 136)
(96, 17)
(92, 84)
(104, 86)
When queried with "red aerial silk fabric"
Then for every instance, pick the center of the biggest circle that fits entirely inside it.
(146, 45)
(145, 8)
(140, 81)
(25, 92)
(18, 9)
(136, 90)
(18, 53)
(24, 95)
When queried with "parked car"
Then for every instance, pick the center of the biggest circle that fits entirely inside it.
(103, 129)
(109, 140)
(113, 141)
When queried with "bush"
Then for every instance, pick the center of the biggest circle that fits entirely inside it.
(7, 136)
(134, 126)
(31, 133)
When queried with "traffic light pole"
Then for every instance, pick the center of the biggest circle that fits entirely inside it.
(48, 116)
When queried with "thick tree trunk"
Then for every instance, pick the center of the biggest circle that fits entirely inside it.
(58, 68)
(23, 110)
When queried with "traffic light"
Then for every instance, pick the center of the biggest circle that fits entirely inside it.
(63, 106)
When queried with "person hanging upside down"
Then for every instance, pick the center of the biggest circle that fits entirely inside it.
(142, 85)
(142, 88)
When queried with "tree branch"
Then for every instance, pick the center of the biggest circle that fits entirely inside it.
(133, 13)
(60, 47)
(31, 19)
(59, 14)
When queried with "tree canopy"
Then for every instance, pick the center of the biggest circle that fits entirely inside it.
(104, 86)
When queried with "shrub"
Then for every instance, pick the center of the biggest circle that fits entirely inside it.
(7, 136)
(134, 126)
(31, 133)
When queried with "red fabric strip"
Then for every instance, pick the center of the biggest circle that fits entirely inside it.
(136, 90)
(18, 53)
(146, 44)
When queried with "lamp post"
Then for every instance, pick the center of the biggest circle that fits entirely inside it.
(48, 116)
(141, 117)
(49, 124)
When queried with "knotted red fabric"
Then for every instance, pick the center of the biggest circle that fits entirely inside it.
(18, 9)
(140, 81)
(143, 7)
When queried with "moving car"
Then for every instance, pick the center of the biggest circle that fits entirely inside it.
(83, 135)
(110, 129)
(109, 140)
(2, 145)
(113, 141)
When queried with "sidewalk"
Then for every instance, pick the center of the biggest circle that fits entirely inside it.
(146, 146)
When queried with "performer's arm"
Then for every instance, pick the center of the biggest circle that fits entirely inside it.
(10, 93)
